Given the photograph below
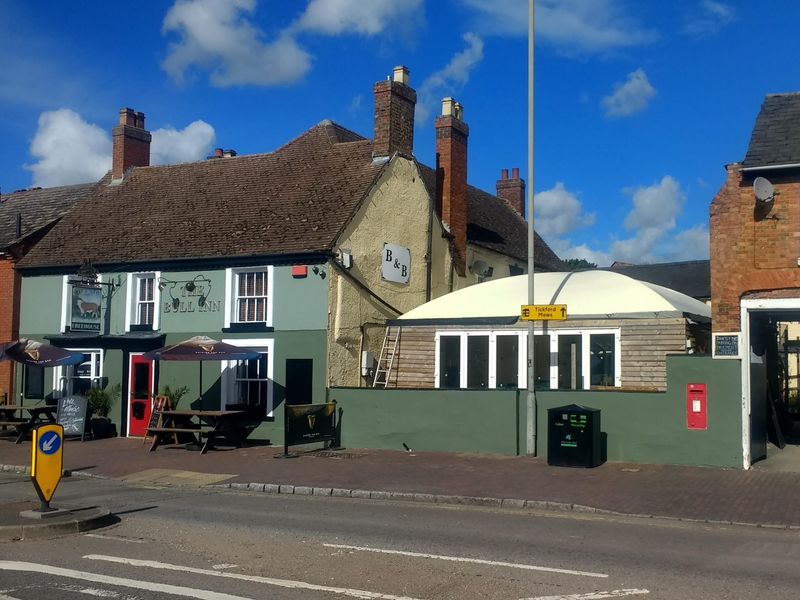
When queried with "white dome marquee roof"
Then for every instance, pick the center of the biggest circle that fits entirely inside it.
(588, 294)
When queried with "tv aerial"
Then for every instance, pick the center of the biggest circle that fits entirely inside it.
(763, 189)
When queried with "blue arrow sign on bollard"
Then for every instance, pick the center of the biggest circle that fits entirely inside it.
(50, 442)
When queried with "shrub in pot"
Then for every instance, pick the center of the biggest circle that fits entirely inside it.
(100, 401)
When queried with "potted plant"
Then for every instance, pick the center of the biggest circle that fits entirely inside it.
(174, 395)
(100, 401)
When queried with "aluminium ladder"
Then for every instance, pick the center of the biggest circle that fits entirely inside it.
(386, 359)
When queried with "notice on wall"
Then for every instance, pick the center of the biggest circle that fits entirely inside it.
(396, 263)
(727, 345)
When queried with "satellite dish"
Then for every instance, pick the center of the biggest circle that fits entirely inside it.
(481, 268)
(763, 189)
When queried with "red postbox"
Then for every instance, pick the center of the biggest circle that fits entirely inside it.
(696, 406)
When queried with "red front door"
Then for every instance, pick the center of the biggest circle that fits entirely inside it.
(141, 387)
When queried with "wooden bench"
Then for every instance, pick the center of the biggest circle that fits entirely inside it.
(165, 435)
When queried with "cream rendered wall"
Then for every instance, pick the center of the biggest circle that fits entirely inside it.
(396, 211)
(499, 262)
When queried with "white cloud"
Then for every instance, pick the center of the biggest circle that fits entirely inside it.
(68, 150)
(565, 249)
(655, 209)
(218, 36)
(630, 97)
(170, 146)
(450, 79)
(690, 244)
(571, 26)
(655, 206)
(559, 211)
(709, 18)
(336, 17)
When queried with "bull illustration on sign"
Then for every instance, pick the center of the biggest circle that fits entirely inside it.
(396, 264)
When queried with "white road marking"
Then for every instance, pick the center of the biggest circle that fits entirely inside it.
(175, 590)
(223, 566)
(286, 583)
(593, 595)
(116, 538)
(478, 561)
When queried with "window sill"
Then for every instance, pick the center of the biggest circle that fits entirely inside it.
(247, 328)
(141, 328)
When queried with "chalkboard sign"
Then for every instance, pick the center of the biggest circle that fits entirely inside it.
(72, 415)
(726, 345)
(159, 404)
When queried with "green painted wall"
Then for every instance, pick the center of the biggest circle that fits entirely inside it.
(428, 420)
(298, 305)
(40, 307)
(640, 427)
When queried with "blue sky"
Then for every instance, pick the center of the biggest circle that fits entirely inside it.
(639, 104)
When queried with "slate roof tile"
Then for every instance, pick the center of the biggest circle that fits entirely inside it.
(36, 208)
(775, 139)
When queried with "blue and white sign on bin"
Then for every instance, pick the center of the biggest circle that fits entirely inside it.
(47, 460)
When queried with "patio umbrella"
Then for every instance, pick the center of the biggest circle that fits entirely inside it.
(38, 354)
(201, 348)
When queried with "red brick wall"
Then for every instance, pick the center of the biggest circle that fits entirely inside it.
(451, 170)
(754, 247)
(394, 118)
(9, 317)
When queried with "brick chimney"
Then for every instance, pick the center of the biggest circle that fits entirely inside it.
(451, 176)
(512, 190)
(131, 143)
(394, 115)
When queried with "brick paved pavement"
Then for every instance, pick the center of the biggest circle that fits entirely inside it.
(755, 496)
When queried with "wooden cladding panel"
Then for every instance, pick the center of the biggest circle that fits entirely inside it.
(644, 345)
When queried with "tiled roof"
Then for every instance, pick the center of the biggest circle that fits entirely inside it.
(776, 135)
(692, 278)
(35, 208)
(492, 223)
(294, 200)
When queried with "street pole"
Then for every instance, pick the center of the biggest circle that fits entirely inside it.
(530, 405)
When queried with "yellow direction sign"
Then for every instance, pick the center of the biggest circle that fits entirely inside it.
(47, 460)
(544, 312)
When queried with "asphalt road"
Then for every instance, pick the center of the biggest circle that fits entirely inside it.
(195, 543)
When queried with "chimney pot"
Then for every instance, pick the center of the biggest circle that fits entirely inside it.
(503, 174)
(217, 152)
(515, 173)
(512, 190)
(400, 74)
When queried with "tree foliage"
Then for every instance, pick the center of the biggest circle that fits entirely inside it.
(578, 264)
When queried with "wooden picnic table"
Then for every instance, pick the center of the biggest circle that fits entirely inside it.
(37, 415)
(196, 425)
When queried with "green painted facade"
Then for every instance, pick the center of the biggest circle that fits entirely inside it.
(640, 427)
(299, 330)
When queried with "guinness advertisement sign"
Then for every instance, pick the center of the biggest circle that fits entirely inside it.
(308, 423)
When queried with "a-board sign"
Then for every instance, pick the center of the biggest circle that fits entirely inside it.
(727, 345)
(72, 414)
(308, 423)
(47, 460)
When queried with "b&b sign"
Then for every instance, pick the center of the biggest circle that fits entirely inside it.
(396, 263)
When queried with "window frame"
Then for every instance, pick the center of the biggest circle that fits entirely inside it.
(132, 299)
(59, 372)
(552, 333)
(228, 375)
(231, 295)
